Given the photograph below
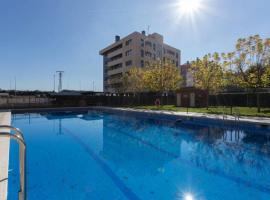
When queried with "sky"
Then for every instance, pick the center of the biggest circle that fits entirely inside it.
(39, 37)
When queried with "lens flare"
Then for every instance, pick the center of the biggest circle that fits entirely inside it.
(189, 7)
(188, 196)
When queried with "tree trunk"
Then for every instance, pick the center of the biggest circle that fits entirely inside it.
(139, 98)
(258, 103)
(207, 100)
(161, 99)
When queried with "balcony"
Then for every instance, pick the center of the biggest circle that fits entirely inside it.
(115, 71)
(114, 81)
(114, 62)
(114, 53)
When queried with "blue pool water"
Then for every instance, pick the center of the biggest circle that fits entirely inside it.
(97, 155)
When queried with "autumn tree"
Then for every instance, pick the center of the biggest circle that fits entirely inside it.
(158, 77)
(229, 76)
(162, 77)
(266, 76)
(133, 80)
(208, 74)
(251, 64)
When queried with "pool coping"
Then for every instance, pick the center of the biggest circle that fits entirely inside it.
(5, 119)
(217, 117)
(257, 120)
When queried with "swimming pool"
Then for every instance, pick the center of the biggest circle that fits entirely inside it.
(101, 155)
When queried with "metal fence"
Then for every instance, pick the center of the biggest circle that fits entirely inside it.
(24, 101)
(244, 100)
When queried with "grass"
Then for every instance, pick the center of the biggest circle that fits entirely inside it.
(243, 111)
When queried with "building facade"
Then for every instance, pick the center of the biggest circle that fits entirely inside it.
(187, 75)
(188, 95)
(134, 50)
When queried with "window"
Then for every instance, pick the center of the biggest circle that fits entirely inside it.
(119, 75)
(154, 47)
(129, 52)
(142, 42)
(115, 66)
(115, 57)
(170, 52)
(128, 42)
(148, 54)
(147, 43)
(154, 56)
(176, 55)
(128, 63)
(159, 53)
(176, 63)
(142, 63)
(142, 53)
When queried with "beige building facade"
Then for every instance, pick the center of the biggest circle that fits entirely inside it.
(134, 50)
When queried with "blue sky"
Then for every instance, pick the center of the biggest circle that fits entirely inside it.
(38, 37)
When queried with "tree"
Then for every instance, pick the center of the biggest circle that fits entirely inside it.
(158, 77)
(229, 75)
(208, 74)
(133, 80)
(266, 76)
(251, 64)
(162, 77)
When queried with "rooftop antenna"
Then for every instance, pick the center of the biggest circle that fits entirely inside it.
(148, 29)
(53, 82)
(60, 75)
(15, 85)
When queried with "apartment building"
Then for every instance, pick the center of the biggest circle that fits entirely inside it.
(134, 50)
(187, 75)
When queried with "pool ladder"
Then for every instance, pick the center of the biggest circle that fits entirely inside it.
(18, 136)
(236, 115)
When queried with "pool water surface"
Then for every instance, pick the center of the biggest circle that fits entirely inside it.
(98, 155)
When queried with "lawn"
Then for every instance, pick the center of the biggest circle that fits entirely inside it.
(243, 111)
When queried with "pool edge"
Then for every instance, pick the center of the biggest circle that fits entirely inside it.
(5, 119)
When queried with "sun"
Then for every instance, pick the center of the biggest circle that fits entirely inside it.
(189, 7)
(189, 12)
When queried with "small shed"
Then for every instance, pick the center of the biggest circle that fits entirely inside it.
(191, 97)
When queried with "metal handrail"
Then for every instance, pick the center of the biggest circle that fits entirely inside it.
(237, 115)
(18, 136)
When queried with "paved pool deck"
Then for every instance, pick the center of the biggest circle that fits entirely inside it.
(5, 119)
(254, 120)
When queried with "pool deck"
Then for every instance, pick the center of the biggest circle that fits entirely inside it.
(254, 120)
(5, 119)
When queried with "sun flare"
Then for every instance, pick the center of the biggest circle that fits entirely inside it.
(189, 7)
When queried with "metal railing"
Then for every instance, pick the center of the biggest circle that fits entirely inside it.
(237, 115)
(18, 136)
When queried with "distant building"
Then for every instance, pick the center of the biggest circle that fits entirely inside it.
(187, 75)
(134, 50)
(188, 95)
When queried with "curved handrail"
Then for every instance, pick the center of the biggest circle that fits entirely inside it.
(18, 136)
